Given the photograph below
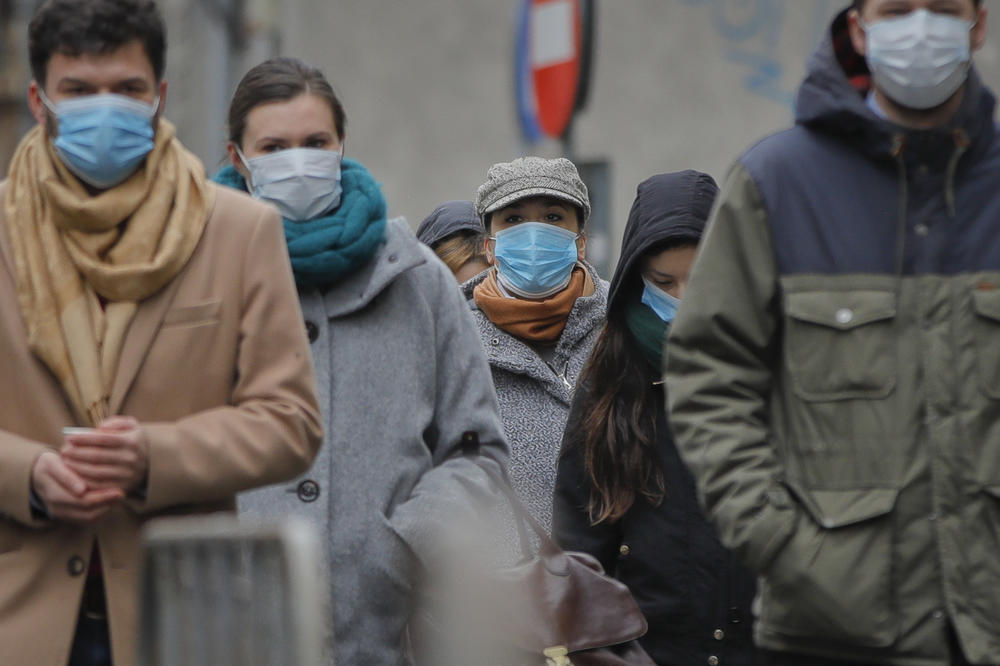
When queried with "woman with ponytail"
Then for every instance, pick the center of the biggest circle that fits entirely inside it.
(622, 493)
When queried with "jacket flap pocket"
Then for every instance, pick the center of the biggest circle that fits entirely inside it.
(840, 508)
(190, 314)
(987, 303)
(843, 310)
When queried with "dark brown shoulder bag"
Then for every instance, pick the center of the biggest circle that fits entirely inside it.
(554, 608)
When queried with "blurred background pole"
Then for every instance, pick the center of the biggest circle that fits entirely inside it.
(211, 45)
(15, 118)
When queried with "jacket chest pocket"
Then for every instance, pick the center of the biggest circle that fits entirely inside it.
(986, 329)
(839, 345)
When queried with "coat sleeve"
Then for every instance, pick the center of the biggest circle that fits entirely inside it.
(719, 359)
(455, 488)
(571, 525)
(20, 455)
(271, 429)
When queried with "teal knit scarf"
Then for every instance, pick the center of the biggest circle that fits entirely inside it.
(327, 249)
(648, 330)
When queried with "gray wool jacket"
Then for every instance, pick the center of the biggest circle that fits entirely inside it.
(401, 377)
(535, 395)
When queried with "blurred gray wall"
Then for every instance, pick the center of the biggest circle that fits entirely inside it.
(428, 84)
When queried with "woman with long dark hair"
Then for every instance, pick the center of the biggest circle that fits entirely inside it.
(622, 493)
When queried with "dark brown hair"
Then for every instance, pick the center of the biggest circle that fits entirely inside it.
(622, 407)
(75, 27)
(619, 430)
(276, 80)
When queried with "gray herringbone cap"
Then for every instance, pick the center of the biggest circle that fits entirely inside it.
(507, 182)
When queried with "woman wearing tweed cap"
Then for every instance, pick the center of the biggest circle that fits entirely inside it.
(539, 310)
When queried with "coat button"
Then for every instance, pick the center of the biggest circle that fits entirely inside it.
(624, 550)
(713, 661)
(312, 330)
(844, 315)
(393, 258)
(921, 229)
(308, 491)
(718, 634)
(75, 565)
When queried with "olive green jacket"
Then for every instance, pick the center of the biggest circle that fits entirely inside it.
(834, 385)
(846, 442)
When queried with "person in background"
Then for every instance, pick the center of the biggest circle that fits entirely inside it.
(151, 361)
(455, 232)
(834, 373)
(622, 493)
(402, 378)
(539, 310)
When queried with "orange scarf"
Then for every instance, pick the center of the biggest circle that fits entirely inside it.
(536, 321)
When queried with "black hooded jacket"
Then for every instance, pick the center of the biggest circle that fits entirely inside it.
(696, 600)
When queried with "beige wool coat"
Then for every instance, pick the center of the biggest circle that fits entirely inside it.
(215, 366)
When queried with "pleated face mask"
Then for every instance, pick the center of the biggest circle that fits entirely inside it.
(919, 60)
(535, 259)
(103, 138)
(304, 183)
(663, 304)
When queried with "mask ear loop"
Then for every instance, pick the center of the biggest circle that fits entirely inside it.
(46, 101)
(246, 165)
(52, 124)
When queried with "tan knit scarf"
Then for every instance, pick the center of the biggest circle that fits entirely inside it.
(537, 321)
(84, 262)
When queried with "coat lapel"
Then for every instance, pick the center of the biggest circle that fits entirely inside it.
(144, 327)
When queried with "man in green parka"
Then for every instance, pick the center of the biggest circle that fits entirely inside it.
(834, 371)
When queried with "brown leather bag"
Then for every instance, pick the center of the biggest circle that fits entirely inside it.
(555, 608)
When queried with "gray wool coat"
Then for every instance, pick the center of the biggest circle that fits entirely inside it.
(535, 395)
(401, 376)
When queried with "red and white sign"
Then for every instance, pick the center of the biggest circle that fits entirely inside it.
(554, 48)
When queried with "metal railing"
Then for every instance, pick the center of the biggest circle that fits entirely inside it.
(219, 592)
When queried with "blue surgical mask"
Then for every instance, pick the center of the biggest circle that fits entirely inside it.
(663, 304)
(103, 138)
(534, 259)
(920, 59)
(303, 183)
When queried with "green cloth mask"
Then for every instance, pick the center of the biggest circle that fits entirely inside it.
(648, 330)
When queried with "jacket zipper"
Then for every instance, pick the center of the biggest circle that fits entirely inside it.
(562, 375)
